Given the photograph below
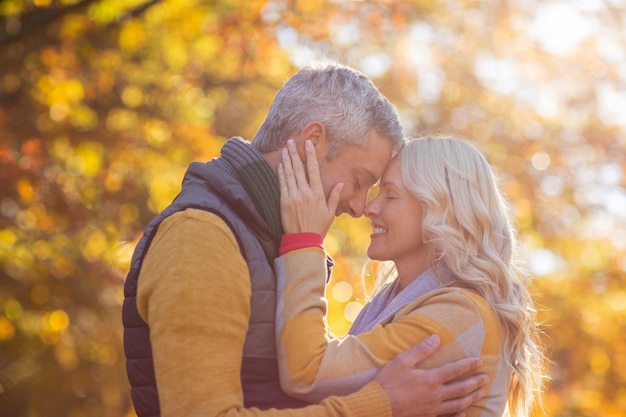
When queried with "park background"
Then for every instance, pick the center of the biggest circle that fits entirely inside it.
(104, 103)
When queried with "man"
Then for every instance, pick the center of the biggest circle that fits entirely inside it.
(200, 297)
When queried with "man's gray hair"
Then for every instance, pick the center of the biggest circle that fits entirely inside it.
(345, 100)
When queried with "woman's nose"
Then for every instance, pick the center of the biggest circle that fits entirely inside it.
(371, 208)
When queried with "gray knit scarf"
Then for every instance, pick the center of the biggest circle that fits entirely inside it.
(258, 179)
(392, 297)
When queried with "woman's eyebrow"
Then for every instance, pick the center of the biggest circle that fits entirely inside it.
(388, 184)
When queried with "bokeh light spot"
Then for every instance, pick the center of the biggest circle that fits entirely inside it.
(352, 310)
(342, 291)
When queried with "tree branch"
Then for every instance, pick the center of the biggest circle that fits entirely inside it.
(42, 18)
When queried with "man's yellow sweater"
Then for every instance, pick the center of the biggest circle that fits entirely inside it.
(198, 325)
(313, 364)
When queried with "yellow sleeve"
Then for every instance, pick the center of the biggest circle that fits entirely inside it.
(194, 292)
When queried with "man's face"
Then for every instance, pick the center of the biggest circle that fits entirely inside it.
(358, 168)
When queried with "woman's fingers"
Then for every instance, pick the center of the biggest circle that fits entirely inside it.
(315, 179)
(312, 165)
(333, 198)
(281, 181)
(297, 165)
(288, 174)
(304, 207)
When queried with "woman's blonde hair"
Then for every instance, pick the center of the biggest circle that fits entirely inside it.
(468, 227)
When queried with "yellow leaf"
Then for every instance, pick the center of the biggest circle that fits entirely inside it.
(57, 321)
(7, 329)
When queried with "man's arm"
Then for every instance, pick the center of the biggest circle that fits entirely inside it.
(432, 393)
(198, 313)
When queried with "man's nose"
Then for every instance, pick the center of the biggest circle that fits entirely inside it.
(356, 207)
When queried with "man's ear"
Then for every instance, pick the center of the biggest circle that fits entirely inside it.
(315, 132)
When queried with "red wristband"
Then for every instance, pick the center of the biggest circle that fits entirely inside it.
(293, 241)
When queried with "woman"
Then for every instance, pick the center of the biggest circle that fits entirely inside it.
(442, 222)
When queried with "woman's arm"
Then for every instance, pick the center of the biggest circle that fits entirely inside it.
(314, 365)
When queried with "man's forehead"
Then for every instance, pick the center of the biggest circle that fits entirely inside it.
(371, 158)
(375, 165)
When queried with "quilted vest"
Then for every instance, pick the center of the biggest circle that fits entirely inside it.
(214, 187)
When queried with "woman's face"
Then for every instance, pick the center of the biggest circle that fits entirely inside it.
(397, 217)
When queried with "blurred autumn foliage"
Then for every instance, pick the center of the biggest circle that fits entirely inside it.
(104, 103)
